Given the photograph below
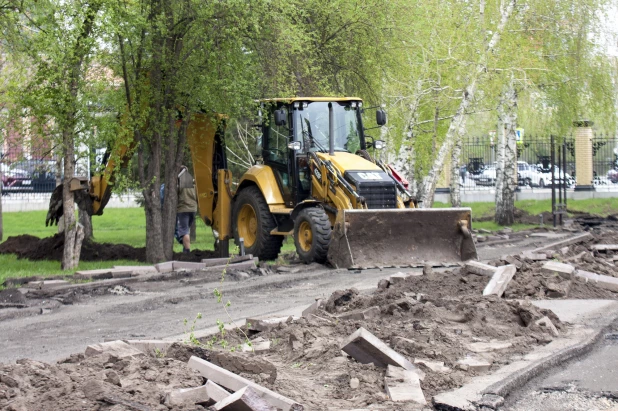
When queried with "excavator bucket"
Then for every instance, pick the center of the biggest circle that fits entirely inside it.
(401, 237)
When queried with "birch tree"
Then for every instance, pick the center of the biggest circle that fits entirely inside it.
(458, 122)
(56, 42)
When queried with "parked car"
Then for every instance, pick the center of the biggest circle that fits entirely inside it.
(16, 180)
(487, 176)
(545, 177)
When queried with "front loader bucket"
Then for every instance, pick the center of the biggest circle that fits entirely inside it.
(401, 237)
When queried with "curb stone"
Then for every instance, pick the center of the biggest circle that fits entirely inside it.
(521, 377)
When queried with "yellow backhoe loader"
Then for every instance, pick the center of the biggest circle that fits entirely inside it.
(317, 183)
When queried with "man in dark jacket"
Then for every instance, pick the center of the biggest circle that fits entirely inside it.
(187, 207)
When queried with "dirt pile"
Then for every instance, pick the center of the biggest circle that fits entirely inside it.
(72, 384)
(51, 248)
(434, 325)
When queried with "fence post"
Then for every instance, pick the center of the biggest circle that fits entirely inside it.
(584, 175)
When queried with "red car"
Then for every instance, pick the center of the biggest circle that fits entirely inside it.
(16, 180)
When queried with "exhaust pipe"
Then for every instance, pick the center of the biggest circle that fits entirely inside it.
(331, 131)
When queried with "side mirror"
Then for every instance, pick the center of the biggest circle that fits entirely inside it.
(280, 118)
(380, 117)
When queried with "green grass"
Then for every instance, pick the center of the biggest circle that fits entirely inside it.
(128, 226)
(116, 226)
(596, 206)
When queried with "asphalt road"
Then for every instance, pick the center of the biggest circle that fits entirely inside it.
(587, 383)
(157, 310)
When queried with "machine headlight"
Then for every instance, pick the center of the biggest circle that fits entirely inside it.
(379, 144)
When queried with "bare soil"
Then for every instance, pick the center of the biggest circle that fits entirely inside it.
(71, 384)
(51, 248)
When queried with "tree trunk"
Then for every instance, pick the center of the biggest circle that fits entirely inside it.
(455, 164)
(500, 134)
(86, 221)
(505, 209)
(457, 127)
(69, 259)
(458, 122)
(1, 223)
(193, 231)
(406, 157)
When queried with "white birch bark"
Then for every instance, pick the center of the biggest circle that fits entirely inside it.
(455, 165)
(500, 150)
(406, 157)
(505, 209)
(458, 122)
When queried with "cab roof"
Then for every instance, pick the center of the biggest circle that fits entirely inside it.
(312, 99)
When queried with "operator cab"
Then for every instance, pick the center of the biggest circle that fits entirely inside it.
(297, 126)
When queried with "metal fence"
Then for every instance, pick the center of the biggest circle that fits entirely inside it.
(30, 175)
(479, 155)
(605, 160)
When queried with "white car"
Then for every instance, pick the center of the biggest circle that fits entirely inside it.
(487, 176)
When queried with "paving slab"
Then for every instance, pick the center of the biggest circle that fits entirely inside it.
(235, 382)
(215, 391)
(604, 247)
(150, 346)
(475, 364)
(137, 268)
(46, 284)
(185, 265)
(313, 308)
(479, 268)
(101, 274)
(165, 267)
(436, 366)
(245, 399)
(559, 244)
(563, 270)
(500, 280)
(187, 397)
(403, 385)
(480, 347)
(117, 348)
(366, 348)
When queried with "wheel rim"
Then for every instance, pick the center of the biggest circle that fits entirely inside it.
(305, 236)
(247, 224)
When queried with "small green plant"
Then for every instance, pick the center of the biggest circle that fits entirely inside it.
(219, 339)
(158, 353)
(191, 331)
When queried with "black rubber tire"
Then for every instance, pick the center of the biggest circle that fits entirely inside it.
(321, 230)
(528, 182)
(266, 246)
(541, 183)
